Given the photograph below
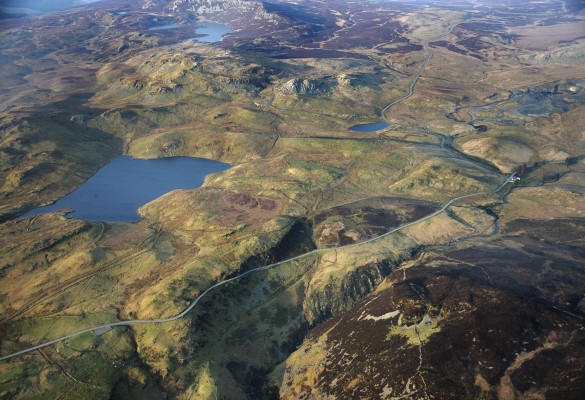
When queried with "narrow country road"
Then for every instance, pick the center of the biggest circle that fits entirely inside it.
(415, 79)
(106, 327)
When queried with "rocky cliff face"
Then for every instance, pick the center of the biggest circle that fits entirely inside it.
(322, 305)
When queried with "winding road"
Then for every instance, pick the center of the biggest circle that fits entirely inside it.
(107, 327)
(422, 68)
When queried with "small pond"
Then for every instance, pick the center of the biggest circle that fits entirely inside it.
(374, 127)
(119, 188)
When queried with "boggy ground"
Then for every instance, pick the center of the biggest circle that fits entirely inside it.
(276, 100)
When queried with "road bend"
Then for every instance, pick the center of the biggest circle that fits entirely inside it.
(416, 78)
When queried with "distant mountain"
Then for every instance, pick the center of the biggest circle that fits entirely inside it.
(252, 19)
(245, 10)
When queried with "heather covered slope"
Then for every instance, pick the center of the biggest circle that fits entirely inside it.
(490, 319)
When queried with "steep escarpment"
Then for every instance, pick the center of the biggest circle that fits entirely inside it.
(461, 323)
(320, 305)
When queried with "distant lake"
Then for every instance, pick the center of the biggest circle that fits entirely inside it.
(213, 32)
(374, 127)
(164, 27)
(119, 188)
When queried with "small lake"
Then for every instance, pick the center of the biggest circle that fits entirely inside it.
(213, 32)
(374, 127)
(119, 188)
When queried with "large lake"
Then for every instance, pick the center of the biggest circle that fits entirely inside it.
(119, 188)
(213, 32)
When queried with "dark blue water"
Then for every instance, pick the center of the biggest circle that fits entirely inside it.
(376, 126)
(119, 188)
(213, 32)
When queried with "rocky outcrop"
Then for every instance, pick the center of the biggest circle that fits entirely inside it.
(79, 119)
(323, 86)
(133, 84)
(569, 54)
(301, 86)
(347, 81)
(246, 82)
(563, 87)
